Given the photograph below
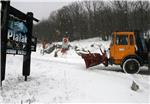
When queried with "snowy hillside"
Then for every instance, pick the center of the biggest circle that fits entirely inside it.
(65, 79)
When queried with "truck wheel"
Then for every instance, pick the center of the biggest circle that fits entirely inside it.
(131, 66)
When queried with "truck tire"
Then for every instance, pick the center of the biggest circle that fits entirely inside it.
(131, 66)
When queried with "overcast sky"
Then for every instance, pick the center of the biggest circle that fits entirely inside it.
(40, 9)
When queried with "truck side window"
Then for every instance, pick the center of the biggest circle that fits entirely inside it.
(131, 40)
(112, 39)
(122, 39)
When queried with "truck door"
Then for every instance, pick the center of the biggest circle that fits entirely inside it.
(132, 44)
(121, 47)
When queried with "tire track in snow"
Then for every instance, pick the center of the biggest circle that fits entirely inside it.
(57, 61)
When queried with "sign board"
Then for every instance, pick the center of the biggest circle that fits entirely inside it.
(16, 37)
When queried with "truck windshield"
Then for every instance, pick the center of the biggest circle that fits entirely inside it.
(122, 39)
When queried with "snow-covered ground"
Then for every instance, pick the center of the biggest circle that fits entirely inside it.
(65, 79)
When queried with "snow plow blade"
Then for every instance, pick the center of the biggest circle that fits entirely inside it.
(92, 59)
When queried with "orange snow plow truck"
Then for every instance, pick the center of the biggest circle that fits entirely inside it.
(127, 49)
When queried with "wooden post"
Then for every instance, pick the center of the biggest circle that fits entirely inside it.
(4, 30)
(27, 57)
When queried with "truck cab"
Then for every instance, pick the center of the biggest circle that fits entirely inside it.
(128, 50)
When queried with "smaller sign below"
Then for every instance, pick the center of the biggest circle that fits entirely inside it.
(19, 52)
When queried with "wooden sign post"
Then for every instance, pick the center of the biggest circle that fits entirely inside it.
(4, 30)
(27, 57)
(16, 39)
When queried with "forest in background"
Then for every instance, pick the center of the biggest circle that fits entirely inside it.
(87, 19)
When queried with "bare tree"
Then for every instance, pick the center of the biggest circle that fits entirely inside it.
(94, 18)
